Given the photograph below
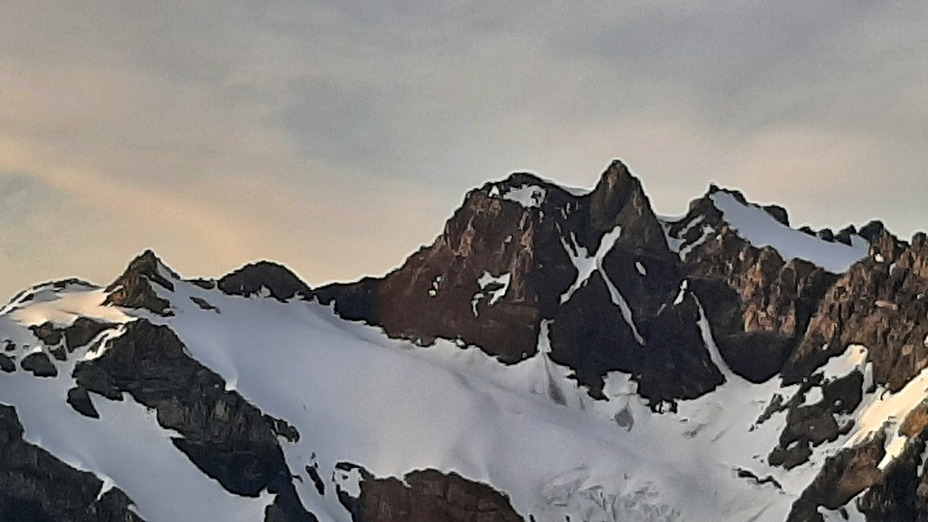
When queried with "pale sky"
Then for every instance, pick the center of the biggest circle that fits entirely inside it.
(336, 137)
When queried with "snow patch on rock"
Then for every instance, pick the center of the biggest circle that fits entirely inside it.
(885, 411)
(759, 228)
(528, 195)
(492, 289)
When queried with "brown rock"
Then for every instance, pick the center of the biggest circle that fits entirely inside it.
(759, 304)
(133, 288)
(436, 294)
(881, 303)
(429, 496)
(916, 421)
(841, 478)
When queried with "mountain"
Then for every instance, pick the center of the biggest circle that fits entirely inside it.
(553, 355)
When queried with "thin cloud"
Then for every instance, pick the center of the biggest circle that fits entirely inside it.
(337, 137)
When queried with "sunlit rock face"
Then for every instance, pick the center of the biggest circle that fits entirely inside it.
(523, 251)
(553, 355)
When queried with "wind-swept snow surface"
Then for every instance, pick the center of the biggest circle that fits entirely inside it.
(126, 446)
(359, 398)
(761, 229)
(526, 429)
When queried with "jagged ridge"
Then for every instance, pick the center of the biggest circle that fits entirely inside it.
(595, 284)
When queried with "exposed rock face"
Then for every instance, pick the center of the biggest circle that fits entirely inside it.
(614, 289)
(810, 425)
(434, 293)
(619, 199)
(880, 303)
(900, 494)
(842, 478)
(78, 334)
(427, 496)
(280, 282)
(81, 332)
(7, 364)
(225, 436)
(133, 288)
(39, 364)
(507, 260)
(47, 333)
(759, 304)
(79, 399)
(37, 487)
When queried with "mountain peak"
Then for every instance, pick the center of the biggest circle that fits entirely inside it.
(279, 280)
(777, 212)
(133, 288)
(619, 198)
(616, 186)
(617, 170)
(785, 368)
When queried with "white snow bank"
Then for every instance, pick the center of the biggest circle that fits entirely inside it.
(760, 228)
(357, 396)
(706, 331)
(674, 243)
(886, 411)
(502, 283)
(62, 308)
(492, 288)
(853, 358)
(125, 447)
(707, 232)
(528, 195)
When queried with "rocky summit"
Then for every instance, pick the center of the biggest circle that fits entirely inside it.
(553, 355)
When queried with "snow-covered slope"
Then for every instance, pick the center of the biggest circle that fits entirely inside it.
(252, 397)
(356, 396)
(392, 407)
(761, 229)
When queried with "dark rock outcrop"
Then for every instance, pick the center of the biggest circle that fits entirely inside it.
(47, 333)
(842, 478)
(37, 487)
(225, 436)
(39, 364)
(7, 364)
(79, 399)
(426, 496)
(133, 288)
(503, 264)
(759, 304)
(880, 303)
(810, 425)
(897, 496)
(204, 304)
(82, 331)
(79, 333)
(280, 281)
